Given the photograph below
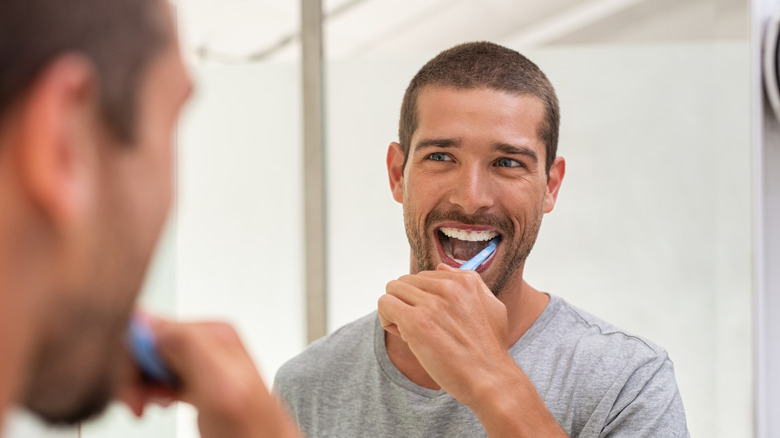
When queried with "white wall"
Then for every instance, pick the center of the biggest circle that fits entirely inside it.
(652, 227)
(239, 247)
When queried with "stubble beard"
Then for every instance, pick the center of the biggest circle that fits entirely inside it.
(423, 247)
(75, 373)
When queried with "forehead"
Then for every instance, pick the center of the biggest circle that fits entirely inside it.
(168, 65)
(479, 115)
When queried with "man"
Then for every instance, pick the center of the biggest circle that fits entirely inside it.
(90, 91)
(454, 353)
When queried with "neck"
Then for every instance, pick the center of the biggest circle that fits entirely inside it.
(523, 309)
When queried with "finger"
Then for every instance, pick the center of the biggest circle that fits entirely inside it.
(390, 310)
(405, 291)
(136, 394)
(474, 278)
(133, 397)
(440, 283)
(442, 271)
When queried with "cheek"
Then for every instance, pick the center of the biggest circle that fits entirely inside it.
(162, 192)
(165, 181)
(422, 195)
(153, 194)
(415, 210)
(160, 164)
(524, 204)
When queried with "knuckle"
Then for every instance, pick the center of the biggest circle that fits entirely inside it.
(449, 285)
(473, 279)
(382, 301)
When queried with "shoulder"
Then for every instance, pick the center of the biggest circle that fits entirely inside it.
(346, 346)
(591, 356)
(592, 335)
(623, 382)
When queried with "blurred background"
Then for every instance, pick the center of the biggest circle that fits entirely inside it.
(652, 230)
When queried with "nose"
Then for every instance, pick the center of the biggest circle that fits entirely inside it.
(472, 190)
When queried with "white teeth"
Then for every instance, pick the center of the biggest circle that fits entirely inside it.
(468, 235)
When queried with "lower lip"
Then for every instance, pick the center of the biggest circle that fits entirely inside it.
(447, 260)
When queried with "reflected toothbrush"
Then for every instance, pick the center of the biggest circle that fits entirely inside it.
(482, 256)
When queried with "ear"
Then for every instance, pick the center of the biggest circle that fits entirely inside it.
(395, 171)
(554, 180)
(56, 153)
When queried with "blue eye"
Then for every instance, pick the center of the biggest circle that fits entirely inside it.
(508, 162)
(439, 156)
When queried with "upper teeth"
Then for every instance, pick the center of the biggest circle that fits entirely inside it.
(468, 235)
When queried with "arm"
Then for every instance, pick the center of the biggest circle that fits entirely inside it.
(457, 330)
(217, 376)
(511, 407)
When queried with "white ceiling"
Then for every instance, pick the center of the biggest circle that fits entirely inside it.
(268, 29)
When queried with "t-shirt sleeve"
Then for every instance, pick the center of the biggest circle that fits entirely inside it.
(285, 387)
(649, 404)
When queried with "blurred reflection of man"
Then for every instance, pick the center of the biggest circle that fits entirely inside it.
(90, 91)
(454, 353)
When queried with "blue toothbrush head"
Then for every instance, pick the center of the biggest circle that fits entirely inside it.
(481, 256)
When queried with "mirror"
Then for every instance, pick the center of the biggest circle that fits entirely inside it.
(651, 231)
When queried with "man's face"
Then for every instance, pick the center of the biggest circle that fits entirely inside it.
(475, 171)
(78, 368)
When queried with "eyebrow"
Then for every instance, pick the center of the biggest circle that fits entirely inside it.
(510, 149)
(438, 143)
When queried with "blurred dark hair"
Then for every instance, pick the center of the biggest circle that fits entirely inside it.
(483, 65)
(119, 37)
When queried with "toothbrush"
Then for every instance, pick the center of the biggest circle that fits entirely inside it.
(482, 256)
(143, 346)
(143, 343)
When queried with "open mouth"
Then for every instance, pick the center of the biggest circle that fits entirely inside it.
(459, 245)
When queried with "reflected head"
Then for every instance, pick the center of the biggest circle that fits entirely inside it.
(483, 65)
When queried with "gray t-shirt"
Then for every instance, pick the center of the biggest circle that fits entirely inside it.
(595, 379)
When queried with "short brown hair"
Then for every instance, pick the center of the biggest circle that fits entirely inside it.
(483, 65)
(119, 37)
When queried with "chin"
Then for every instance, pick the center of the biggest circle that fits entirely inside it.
(76, 373)
(66, 411)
